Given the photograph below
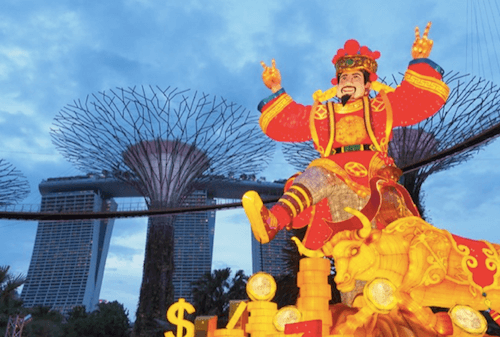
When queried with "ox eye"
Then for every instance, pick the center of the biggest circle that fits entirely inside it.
(354, 251)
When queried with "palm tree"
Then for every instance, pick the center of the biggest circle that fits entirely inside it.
(8, 285)
(213, 291)
(10, 304)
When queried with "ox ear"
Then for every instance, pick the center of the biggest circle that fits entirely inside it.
(367, 226)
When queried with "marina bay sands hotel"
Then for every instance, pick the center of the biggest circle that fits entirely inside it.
(68, 260)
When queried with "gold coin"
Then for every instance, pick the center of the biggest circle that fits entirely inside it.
(286, 315)
(261, 287)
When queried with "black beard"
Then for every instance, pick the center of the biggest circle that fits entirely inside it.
(344, 99)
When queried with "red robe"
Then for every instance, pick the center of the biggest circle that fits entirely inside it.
(365, 121)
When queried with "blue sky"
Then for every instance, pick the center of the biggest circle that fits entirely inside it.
(54, 52)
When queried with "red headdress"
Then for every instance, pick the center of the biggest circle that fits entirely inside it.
(355, 57)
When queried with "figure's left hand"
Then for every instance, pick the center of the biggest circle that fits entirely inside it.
(422, 46)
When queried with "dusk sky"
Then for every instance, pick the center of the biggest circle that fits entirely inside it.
(54, 52)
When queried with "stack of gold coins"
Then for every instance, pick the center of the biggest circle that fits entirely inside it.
(260, 321)
(229, 333)
(315, 292)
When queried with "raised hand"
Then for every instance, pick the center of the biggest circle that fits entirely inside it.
(422, 46)
(271, 76)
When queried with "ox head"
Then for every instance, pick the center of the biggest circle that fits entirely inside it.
(354, 254)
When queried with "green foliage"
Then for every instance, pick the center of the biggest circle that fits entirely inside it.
(213, 291)
(110, 319)
(10, 303)
(44, 323)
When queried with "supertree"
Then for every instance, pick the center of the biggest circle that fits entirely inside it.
(14, 186)
(468, 120)
(161, 141)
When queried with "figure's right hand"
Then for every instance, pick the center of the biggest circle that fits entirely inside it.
(271, 76)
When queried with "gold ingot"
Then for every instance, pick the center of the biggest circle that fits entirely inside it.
(316, 290)
(204, 326)
(261, 287)
(286, 315)
(467, 319)
(229, 332)
(236, 310)
(267, 319)
(261, 305)
(314, 263)
(313, 303)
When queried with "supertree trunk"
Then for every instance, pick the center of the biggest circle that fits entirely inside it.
(156, 292)
(160, 141)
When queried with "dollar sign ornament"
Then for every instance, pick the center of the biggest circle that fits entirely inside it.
(175, 315)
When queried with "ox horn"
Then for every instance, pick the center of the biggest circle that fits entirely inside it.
(367, 226)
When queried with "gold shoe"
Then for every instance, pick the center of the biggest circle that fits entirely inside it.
(260, 218)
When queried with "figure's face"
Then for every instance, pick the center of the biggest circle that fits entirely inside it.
(352, 83)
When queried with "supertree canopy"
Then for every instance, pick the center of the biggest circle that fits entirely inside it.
(468, 120)
(160, 141)
(13, 185)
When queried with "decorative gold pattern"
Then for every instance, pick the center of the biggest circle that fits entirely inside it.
(307, 198)
(331, 115)
(356, 169)
(350, 130)
(355, 62)
(349, 107)
(361, 190)
(427, 83)
(437, 259)
(368, 124)
(376, 163)
(377, 104)
(312, 128)
(320, 112)
(389, 121)
(291, 207)
(269, 114)
(296, 198)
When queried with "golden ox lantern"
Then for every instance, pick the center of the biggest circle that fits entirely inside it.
(412, 265)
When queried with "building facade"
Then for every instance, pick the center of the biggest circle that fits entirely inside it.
(270, 257)
(194, 243)
(68, 259)
(67, 264)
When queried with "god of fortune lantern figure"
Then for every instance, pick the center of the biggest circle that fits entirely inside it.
(351, 133)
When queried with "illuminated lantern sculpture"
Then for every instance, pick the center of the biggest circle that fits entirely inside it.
(413, 265)
(352, 137)
(407, 264)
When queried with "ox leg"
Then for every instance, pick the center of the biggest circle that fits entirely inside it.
(439, 322)
(353, 322)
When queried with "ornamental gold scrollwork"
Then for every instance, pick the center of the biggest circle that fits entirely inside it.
(492, 259)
